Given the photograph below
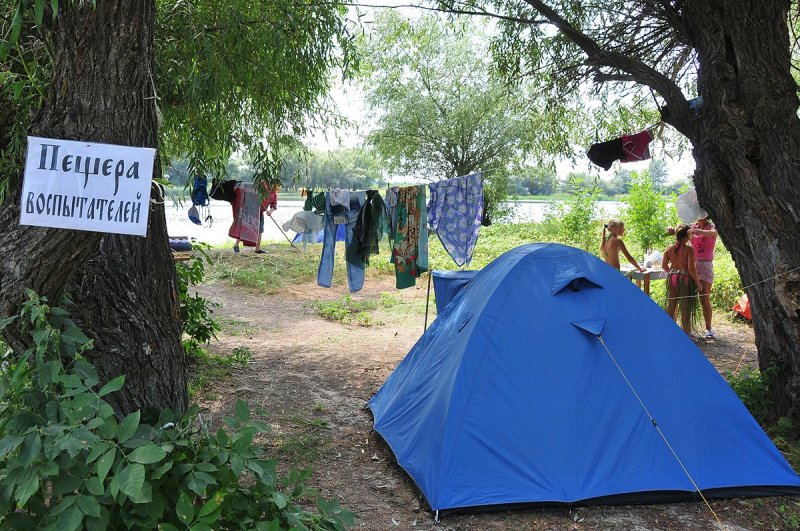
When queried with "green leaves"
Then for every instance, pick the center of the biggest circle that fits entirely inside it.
(646, 214)
(128, 427)
(131, 479)
(184, 509)
(147, 455)
(292, 50)
(112, 386)
(104, 464)
(242, 411)
(66, 464)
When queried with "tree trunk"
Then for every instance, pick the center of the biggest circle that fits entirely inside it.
(747, 148)
(123, 287)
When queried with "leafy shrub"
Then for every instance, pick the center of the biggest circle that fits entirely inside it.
(751, 387)
(66, 462)
(242, 355)
(646, 215)
(197, 323)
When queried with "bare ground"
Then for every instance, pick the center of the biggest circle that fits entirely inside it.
(315, 376)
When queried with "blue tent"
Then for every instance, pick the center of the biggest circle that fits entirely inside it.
(448, 284)
(551, 378)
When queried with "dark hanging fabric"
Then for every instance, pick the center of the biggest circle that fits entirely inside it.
(605, 153)
(371, 225)
(223, 190)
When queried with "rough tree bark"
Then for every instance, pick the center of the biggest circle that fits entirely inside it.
(747, 150)
(123, 287)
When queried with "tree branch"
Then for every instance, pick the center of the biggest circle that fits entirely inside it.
(603, 78)
(450, 10)
(636, 70)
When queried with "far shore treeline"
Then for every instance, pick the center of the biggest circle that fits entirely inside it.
(361, 168)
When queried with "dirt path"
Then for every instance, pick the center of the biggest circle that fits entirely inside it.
(315, 376)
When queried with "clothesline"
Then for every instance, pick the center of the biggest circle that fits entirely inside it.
(745, 288)
(451, 208)
(389, 186)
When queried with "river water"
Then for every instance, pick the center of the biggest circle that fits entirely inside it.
(178, 223)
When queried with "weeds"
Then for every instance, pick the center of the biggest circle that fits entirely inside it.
(197, 324)
(309, 436)
(209, 368)
(751, 388)
(790, 516)
(348, 311)
(241, 355)
(269, 274)
(69, 463)
(387, 301)
(236, 327)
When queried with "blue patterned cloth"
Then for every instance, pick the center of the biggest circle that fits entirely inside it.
(454, 214)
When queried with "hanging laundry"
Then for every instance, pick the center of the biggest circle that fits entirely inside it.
(304, 221)
(223, 190)
(636, 147)
(340, 205)
(315, 202)
(246, 214)
(605, 153)
(307, 225)
(355, 274)
(410, 251)
(454, 214)
(370, 227)
(391, 207)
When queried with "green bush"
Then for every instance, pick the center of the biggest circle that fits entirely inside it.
(66, 462)
(197, 324)
(647, 216)
(751, 387)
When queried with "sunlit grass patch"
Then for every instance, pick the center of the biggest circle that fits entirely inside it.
(236, 327)
(348, 311)
(208, 369)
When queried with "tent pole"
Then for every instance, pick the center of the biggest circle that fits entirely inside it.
(427, 300)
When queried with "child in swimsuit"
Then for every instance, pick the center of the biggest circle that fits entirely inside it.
(612, 245)
(682, 279)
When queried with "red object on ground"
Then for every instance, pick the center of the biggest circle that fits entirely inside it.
(742, 307)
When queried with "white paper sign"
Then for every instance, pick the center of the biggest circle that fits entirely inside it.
(82, 186)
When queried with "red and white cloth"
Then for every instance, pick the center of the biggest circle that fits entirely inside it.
(636, 147)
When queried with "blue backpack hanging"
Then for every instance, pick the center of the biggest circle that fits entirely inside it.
(200, 191)
(200, 199)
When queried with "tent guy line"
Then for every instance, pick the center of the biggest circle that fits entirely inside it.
(658, 428)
